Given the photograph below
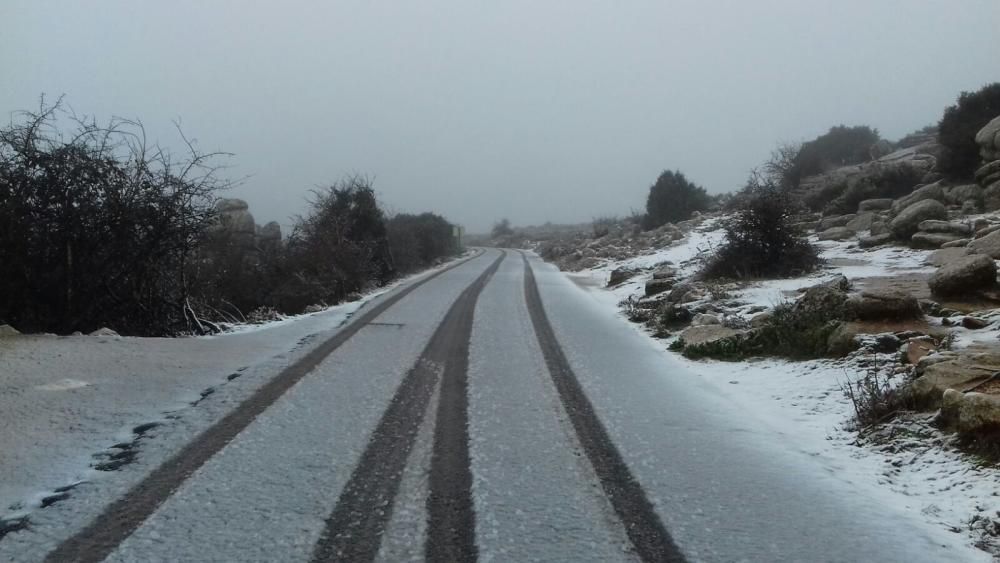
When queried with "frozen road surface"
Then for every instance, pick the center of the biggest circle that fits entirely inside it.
(488, 411)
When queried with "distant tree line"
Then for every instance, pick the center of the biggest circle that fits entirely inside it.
(97, 228)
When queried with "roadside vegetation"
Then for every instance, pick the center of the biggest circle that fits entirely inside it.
(958, 127)
(100, 229)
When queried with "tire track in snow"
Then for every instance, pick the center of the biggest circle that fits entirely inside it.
(354, 529)
(98, 539)
(646, 531)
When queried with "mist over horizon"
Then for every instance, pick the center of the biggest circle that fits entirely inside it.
(558, 112)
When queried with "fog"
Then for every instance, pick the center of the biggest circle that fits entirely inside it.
(536, 111)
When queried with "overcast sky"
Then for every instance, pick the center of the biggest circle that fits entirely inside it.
(534, 110)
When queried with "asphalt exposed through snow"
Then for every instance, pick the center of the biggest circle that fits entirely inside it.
(121, 518)
(651, 540)
(354, 530)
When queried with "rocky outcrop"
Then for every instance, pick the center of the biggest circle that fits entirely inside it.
(836, 233)
(879, 204)
(962, 372)
(970, 413)
(907, 222)
(963, 275)
(988, 176)
(884, 305)
(988, 245)
(828, 223)
(923, 193)
(933, 240)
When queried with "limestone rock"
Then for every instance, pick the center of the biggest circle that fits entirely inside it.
(974, 323)
(988, 173)
(988, 245)
(105, 331)
(969, 273)
(932, 240)
(929, 192)
(959, 243)
(619, 276)
(884, 305)
(907, 221)
(7, 330)
(836, 233)
(957, 195)
(951, 227)
(655, 287)
(837, 221)
(970, 412)
(862, 222)
(991, 195)
(707, 334)
(880, 204)
(875, 240)
(945, 256)
(702, 319)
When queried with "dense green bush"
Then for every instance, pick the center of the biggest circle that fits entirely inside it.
(417, 241)
(673, 198)
(958, 127)
(761, 241)
(839, 146)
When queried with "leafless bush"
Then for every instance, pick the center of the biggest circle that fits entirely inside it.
(97, 226)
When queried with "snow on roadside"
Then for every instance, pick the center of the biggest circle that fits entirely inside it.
(67, 402)
(908, 464)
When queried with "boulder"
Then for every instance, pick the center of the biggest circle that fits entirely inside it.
(971, 412)
(985, 230)
(619, 276)
(836, 233)
(959, 243)
(105, 331)
(664, 272)
(702, 319)
(707, 334)
(269, 235)
(951, 227)
(932, 240)
(945, 256)
(878, 305)
(875, 240)
(879, 227)
(988, 139)
(918, 347)
(960, 373)
(974, 323)
(991, 195)
(908, 220)
(881, 204)
(964, 275)
(988, 245)
(823, 301)
(929, 192)
(958, 195)
(843, 340)
(655, 287)
(862, 222)
(837, 221)
(988, 173)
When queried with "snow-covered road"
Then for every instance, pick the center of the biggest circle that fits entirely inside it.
(443, 423)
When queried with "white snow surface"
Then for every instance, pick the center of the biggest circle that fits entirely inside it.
(923, 476)
(66, 401)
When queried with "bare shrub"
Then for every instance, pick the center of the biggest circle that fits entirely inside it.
(97, 226)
